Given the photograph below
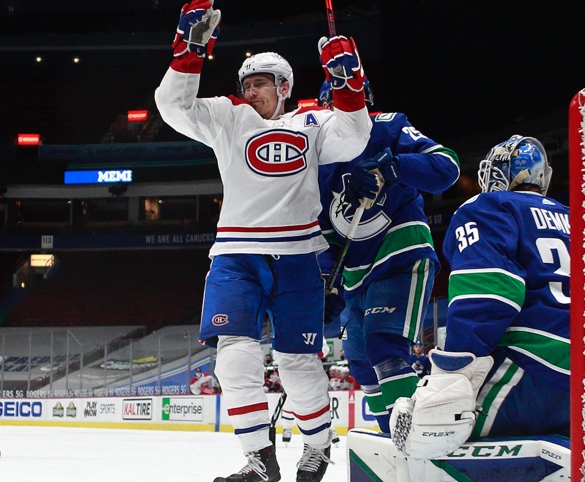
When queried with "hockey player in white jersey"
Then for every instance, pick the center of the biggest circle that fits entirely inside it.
(505, 367)
(264, 258)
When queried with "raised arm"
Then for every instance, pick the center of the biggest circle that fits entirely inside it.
(345, 135)
(176, 97)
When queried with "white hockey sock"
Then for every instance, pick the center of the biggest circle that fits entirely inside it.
(240, 370)
(306, 385)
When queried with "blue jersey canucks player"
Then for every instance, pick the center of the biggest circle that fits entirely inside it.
(507, 344)
(391, 263)
(419, 361)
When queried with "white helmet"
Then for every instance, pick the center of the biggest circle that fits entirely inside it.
(269, 63)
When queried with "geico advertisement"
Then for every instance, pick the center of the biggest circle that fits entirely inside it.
(183, 409)
(21, 409)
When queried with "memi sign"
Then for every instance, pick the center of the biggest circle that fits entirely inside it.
(115, 176)
(98, 177)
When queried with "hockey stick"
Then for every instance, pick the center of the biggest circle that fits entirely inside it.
(330, 18)
(330, 285)
(339, 262)
(274, 419)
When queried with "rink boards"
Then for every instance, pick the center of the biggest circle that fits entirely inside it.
(371, 456)
(165, 412)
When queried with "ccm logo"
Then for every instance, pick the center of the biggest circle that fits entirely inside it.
(219, 320)
(379, 309)
(277, 153)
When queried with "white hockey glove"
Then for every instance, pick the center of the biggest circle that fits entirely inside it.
(198, 24)
(441, 414)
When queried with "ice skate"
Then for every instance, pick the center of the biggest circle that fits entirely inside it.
(313, 464)
(261, 467)
(286, 436)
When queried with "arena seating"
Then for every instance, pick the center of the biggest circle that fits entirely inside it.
(150, 287)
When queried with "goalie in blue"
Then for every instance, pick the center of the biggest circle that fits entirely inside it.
(505, 366)
(391, 263)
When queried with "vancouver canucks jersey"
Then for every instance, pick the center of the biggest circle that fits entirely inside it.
(394, 232)
(509, 282)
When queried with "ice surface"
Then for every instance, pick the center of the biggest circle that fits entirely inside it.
(63, 454)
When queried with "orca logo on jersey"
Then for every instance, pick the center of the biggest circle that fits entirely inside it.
(373, 222)
(219, 320)
(277, 153)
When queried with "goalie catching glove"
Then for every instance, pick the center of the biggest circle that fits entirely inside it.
(198, 28)
(441, 414)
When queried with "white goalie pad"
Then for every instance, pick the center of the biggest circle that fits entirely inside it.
(443, 416)
(374, 457)
(438, 421)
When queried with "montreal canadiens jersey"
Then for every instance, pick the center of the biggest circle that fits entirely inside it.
(269, 168)
(394, 232)
(509, 282)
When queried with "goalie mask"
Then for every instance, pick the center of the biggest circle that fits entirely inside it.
(268, 63)
(326, 94)
(519, 160)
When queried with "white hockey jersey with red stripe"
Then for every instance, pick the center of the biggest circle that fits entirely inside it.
(268, 167)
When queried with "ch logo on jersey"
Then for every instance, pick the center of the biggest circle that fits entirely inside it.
(341, 214)
(219, 320)
(310, 338)
(277, 153)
